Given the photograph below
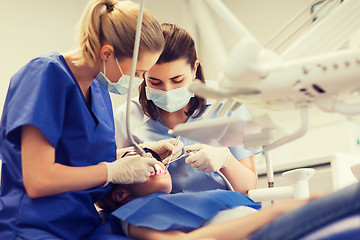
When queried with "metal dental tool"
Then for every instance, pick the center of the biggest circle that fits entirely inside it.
(172, 155)
(185, 155)
(132, 75)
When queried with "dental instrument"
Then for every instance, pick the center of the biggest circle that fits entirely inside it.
(185, 155)
(172, 154)
(132, 76)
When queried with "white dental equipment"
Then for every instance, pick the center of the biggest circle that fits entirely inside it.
(309, 72)
(132, 76)
(172, 155)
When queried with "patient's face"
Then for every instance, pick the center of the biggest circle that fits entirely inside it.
(159, 181)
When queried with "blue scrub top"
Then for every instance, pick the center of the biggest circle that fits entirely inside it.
(45, 94)
(184, 177)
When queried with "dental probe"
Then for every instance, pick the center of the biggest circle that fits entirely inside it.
(172, 154)
(185, 155)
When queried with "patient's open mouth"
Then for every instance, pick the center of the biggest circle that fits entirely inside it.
(157, 170)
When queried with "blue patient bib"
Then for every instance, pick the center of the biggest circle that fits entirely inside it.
(180, 211)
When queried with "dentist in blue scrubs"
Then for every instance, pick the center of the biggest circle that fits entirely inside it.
(164, 101)
(57, 136)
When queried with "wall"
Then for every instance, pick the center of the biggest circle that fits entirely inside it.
(30, 28)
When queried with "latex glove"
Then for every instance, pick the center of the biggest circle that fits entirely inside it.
(207, 158)
(131, 169)
(165, 147)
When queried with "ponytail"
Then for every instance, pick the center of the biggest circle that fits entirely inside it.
(112, 22)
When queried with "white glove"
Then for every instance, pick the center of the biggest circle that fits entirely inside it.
(131, 169)
(207, 158)
(165, 147)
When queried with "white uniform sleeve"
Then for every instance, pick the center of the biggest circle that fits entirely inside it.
(120, 127)
(125, 228)
(137, 118)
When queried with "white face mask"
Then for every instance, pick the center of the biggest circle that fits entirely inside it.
(120, 87)
(170, 101)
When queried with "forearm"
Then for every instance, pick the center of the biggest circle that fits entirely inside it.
(43, 177)
(151, 234)
(60, 179)
(241, 174)
(239, 228)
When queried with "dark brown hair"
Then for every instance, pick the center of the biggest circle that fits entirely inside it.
(178, 45)
(108, 203)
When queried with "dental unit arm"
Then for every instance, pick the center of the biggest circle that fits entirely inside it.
(311, 72)
(132, 75)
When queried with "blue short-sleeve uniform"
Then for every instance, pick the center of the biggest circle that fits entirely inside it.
(184, 177)
(45, 94)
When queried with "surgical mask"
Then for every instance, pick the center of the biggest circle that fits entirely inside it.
(120, 87)
(170, 101)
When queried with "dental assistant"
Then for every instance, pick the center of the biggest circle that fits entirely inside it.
(57, 140)
(164, 101)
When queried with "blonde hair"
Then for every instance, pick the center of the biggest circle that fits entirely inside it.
(113, 22)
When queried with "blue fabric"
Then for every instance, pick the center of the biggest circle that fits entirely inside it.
(45, 94)
(352, 234)
(184, 177)
(181, 211)
(313, 215)
(104, 232)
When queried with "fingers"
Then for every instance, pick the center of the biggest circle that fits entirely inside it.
(192, 158)
(166, 146)
(195, 160)
(200, 161)
(146, 166)
(172, 141)
(119, 153)
(179, 146)
(195, 147)
(150, 161)
(177, 151)
(170, 145)
(148, 155)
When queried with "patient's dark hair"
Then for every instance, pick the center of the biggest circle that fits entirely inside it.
(178, 45)
(107, 203)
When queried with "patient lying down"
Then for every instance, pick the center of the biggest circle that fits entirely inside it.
(147, 211)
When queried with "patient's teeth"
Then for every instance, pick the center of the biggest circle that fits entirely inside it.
(157, 168)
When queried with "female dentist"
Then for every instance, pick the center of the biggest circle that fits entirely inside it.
(164, 102)
(57, 139)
